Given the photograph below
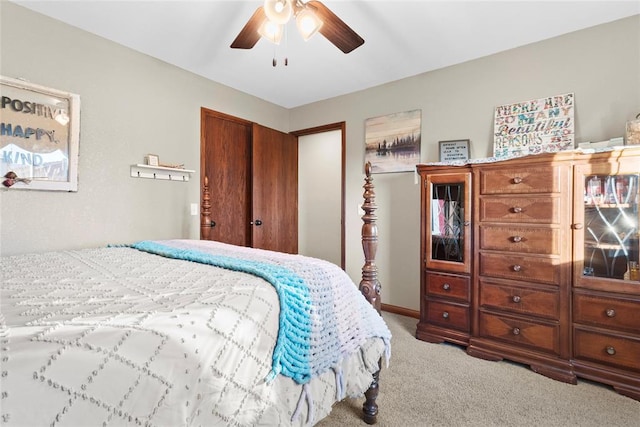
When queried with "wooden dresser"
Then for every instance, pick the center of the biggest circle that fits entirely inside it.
(549, 277)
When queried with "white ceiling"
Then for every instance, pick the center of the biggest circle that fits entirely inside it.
(402, 38)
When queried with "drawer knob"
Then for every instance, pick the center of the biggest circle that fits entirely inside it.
(445, 315)
(610, 312)
(516, 239)
(516, 298)
(516, 331)
(610, 350)
(516, 209)
(517, 267)
(446, 286)
(517, 180)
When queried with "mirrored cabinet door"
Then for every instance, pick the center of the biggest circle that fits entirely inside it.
(607, 224)
(448, 222)
(611, 226)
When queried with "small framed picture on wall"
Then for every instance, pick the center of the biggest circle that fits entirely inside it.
(454, 150)
(152, 160)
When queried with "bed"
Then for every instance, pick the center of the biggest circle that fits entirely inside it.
(187, 333)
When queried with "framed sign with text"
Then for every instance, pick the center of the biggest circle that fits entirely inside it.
(536, 126)
(39, 136)
(455, 150)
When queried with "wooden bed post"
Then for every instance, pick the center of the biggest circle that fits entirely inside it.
(205, 213)
(370, 285)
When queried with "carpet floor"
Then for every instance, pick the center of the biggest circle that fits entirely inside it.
(440, 385)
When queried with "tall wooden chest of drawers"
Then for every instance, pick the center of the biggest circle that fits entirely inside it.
(551, 280)
(523, 265)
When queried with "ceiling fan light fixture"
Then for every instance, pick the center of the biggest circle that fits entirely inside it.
(278, 11)
(334, 29)
(271, 31)
(308, 23)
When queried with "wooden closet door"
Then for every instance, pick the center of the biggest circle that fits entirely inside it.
(226, 161)
(275, 190)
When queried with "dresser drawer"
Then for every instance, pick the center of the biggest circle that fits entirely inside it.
(448, 286)
(525, 180)
(455, 316)
(522, 332)
(609, 349)
(530, 269)
(545, 241)
(607, 312)
(520, 300)
(536, 210)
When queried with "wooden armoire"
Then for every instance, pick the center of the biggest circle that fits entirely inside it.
(252, 174)
(535, 260)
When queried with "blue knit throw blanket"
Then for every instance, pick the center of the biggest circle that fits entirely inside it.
(323, 316)
(291, 353)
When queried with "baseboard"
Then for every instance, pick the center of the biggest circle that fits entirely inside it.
(400, 310)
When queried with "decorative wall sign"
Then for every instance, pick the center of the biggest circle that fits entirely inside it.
(152, 160)
(455, 150)
(536, 126)
(632, 135)
(39, 136)
(392, 142)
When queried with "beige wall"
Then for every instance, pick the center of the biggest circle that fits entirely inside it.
(319, 210)
(600, 65)
(133, 104)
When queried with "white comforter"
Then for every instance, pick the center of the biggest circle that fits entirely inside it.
(115, 336)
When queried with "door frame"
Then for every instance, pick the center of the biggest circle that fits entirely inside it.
(341, 126)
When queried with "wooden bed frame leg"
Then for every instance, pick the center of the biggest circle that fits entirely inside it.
(370, 407)
(370, 286)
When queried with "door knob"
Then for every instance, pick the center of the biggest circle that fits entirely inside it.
(257, 222)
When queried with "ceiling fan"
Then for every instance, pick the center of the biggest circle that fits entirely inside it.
(311, 17)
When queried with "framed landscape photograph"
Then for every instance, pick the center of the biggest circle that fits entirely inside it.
(392, 142)
(40, 136)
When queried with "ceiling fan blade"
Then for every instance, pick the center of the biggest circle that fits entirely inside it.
(249, 36)
(335, 30)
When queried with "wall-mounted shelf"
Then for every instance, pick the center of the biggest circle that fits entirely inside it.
(160, 172)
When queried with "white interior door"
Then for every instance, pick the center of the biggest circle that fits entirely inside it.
(320, 195)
